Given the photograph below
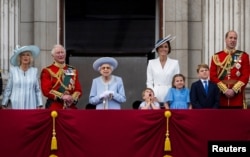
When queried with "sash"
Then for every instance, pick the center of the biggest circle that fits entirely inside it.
(66, 82)
(230, 60)
(65, 75)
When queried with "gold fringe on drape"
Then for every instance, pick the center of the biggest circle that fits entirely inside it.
(244, 101)
(167, 140)
(54, 141)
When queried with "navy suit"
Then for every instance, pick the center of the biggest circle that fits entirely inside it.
(199, 99)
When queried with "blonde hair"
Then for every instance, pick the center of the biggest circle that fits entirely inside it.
(143, 92)
(19, 58)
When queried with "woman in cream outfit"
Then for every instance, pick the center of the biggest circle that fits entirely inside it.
(161, 70)
(23, 88)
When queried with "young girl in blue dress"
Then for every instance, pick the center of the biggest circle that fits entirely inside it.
(178, 96)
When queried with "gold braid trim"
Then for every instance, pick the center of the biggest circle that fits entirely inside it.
(76, 95)
(225, 65)
(222, 86)
(58, 76)
(237, 86)
(56, 93)
(217, 60)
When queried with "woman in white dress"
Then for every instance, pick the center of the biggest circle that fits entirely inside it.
(161, 70)
(23, 89)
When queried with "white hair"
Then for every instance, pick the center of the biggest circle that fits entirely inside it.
(99, 68)
(56, 46)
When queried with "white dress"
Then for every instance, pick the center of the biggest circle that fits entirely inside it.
(160, 79)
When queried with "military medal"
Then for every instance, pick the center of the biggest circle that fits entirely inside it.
(238, 65)
(72, 81)
(235, 58)
(238, 73)
(69, 71)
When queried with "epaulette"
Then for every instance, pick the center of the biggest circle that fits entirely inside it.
(70, 66)
(238, 52)
(219, 52)
(50, 66)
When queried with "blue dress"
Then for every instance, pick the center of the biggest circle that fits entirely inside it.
(178, 98)
(23, 89)
(99, 86)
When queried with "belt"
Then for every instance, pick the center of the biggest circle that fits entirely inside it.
(229, 82)
(50, 101)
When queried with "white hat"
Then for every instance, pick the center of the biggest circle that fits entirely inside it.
(105, 60)
(162, 41)
(31, 48)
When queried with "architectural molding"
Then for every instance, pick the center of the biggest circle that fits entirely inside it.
(8, 32)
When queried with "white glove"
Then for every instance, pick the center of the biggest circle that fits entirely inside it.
(110, 92)
(105, 94)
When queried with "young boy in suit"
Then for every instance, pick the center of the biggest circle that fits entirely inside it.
(204, 94)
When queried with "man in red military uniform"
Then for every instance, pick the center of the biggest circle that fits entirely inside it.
(60, 83)
(230, 70)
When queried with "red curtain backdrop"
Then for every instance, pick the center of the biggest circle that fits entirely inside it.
(123, 133)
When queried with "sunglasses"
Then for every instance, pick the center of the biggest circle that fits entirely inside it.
(103, 68)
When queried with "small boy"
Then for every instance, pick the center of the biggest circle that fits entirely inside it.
(149, 100)
(204, 93)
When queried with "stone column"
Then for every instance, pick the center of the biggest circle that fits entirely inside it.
(45, 29)
(221, 16)
(8, 33)
(176, 23)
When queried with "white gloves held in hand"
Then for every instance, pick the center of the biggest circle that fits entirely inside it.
(106, 94)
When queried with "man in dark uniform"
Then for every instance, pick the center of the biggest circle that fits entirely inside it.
(230, 71)
(60, 83)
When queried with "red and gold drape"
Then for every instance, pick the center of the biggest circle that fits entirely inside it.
(124, 133)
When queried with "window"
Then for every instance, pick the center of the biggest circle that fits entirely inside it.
(121, 27)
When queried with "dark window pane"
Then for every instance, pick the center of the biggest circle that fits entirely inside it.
(113, 27)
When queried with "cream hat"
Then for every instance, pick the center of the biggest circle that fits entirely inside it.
(162, 41)
(31, 48)
(105, 60)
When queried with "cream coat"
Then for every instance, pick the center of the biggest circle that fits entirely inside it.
(160, 79)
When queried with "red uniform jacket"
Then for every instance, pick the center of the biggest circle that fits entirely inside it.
(57, 80)
(230, 71)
